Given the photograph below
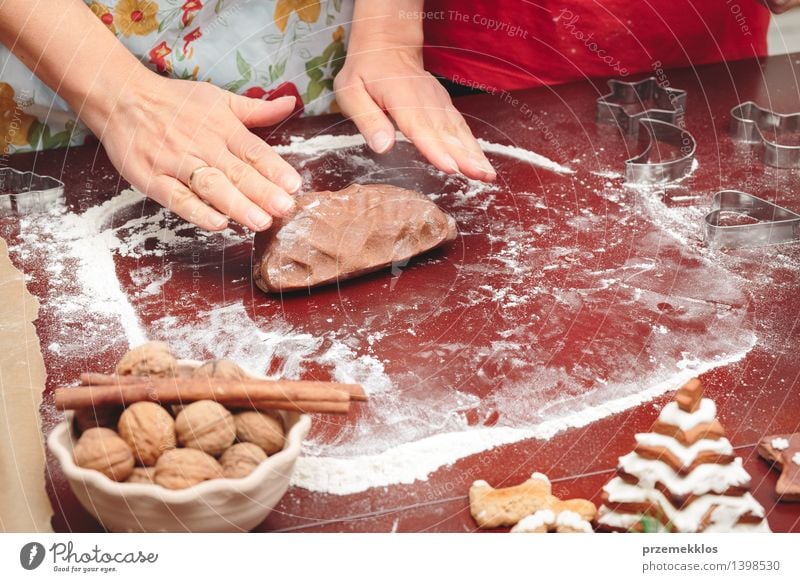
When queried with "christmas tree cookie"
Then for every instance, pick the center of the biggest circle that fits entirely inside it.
(682, 476)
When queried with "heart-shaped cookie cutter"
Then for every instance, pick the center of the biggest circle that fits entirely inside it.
(611, 108)
(27, 192)
(640, 170)
(771, 224)
(748, 123)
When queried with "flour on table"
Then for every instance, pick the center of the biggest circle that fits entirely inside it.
(319, 144)
(542, 275)
(78, 243)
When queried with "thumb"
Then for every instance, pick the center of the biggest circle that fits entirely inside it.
(258, 113)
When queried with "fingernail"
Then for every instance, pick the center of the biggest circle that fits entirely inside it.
(380, 141)
(217, 220)
(284, 204)
(292, 183)
(449, 163)
(485, 167)
(259, 219)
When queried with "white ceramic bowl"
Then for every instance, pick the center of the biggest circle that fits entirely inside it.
(218, 505)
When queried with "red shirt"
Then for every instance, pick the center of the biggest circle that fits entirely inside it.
(505, 44)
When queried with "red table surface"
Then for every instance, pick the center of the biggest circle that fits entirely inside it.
(756, 396)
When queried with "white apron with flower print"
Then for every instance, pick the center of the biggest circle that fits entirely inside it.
(258, 48)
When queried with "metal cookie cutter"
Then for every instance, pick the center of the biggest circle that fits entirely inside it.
(748, 123)
(27, 192)
(642, 170)
(611, 108)
(760, 223)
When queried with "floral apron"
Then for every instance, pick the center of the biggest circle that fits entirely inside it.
(258, 48)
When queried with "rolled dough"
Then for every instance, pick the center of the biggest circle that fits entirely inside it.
(339, 235)
(24, 506)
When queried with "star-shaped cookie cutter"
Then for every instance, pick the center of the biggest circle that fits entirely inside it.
(749, 121)
(611, 108)
(27, 192)
(762, 222)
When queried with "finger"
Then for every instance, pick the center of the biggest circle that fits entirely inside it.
(255, 152)
(258, 113)
(357, 104)
(415, 124)
(255, 186)
(170, 193)
(466, 149)
(213, 186)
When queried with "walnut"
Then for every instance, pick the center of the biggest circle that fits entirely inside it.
(143, 475)
(260, 428)
(206, 425)
(103, 450)
(150, 359)
(148, 429)
(182, 468)
(241, 459)
(224, 369)
(105, 416)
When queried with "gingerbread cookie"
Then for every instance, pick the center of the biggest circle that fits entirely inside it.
(507, 506)
(682, 476)
(783, 451)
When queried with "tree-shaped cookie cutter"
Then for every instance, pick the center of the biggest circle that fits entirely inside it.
(640, 169)
(762, 223)
(611, 108)
(748, 124)
(27, 192)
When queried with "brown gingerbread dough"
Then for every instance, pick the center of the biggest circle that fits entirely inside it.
(335, 236)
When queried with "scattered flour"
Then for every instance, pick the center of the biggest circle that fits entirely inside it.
(78, 244)
(416, 460)
(524, 155)
(319, 144)
(406, 432)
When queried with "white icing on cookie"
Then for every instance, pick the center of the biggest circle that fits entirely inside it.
(796, 459)
(573, 521)
(672, 414)
(724, 516)
(619, 520)
(779, 444)
(703, 479)
(480, 483)
(685, 454)
(540, 477)
(543, 518)
(760, 527)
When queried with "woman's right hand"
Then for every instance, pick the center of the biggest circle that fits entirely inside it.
(186, 145)
(780, 6)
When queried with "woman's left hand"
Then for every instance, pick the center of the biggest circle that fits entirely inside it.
(379, 80)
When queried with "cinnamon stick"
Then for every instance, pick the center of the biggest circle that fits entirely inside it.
(176, 390)
(356, 391)
(316, 406)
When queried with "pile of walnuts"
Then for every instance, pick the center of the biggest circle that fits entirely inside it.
(180, 446)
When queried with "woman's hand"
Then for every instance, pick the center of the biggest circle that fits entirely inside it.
(780, 6)
(186, 145)
(379, 78)
(158, 132)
